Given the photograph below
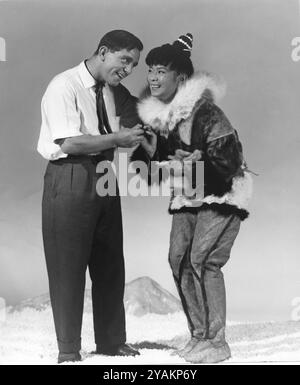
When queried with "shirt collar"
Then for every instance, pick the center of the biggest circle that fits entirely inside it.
(87, 79)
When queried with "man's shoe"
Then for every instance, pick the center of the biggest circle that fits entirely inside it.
(119, 350)
(188, 347)
(68, 357)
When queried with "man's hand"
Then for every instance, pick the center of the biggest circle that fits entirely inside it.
(130, 137)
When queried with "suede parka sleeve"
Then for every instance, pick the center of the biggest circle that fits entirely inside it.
(223, 149)
(126, 107)
(161, 154)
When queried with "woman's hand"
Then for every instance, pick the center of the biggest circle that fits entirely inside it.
(129, 137)
(179, 155)
(196, 155)
(186, 156)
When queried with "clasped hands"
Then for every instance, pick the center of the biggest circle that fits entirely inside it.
(139, 134)
(185, 156)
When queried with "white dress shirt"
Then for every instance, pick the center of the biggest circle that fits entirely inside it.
(69, 109)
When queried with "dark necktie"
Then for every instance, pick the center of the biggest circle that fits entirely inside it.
(103, 123)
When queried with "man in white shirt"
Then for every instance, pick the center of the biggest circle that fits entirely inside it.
(81, 112)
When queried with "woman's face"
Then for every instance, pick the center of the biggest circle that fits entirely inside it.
(163, 82)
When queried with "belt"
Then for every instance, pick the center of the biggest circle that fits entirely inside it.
(81, 158)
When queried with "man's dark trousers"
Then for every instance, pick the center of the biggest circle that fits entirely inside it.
(82, 229)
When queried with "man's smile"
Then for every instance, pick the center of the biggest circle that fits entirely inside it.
(121, 74)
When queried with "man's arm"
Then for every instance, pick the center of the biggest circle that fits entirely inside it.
(89, 144)
(59, 106)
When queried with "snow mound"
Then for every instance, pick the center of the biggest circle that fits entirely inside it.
(142, 296)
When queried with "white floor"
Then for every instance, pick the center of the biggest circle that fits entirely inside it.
(27, 337)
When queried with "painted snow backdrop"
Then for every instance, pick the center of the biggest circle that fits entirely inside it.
(248, 43)
(156, 326)
(262, 276)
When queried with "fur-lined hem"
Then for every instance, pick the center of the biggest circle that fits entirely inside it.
(239, 195)
(223, 209)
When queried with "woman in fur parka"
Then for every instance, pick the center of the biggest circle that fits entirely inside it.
(203, 228)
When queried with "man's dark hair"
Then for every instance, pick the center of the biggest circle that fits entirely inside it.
(118, 39)
(170, 55)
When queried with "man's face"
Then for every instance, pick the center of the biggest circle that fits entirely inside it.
(163, 82)
(118, 65)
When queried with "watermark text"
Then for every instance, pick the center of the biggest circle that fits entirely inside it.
(176, 178)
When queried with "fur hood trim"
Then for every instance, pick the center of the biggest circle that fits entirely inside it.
(161, 116)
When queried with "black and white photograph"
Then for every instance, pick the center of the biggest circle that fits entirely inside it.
(149, 184)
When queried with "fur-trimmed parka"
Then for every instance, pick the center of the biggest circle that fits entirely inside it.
(193, 121)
